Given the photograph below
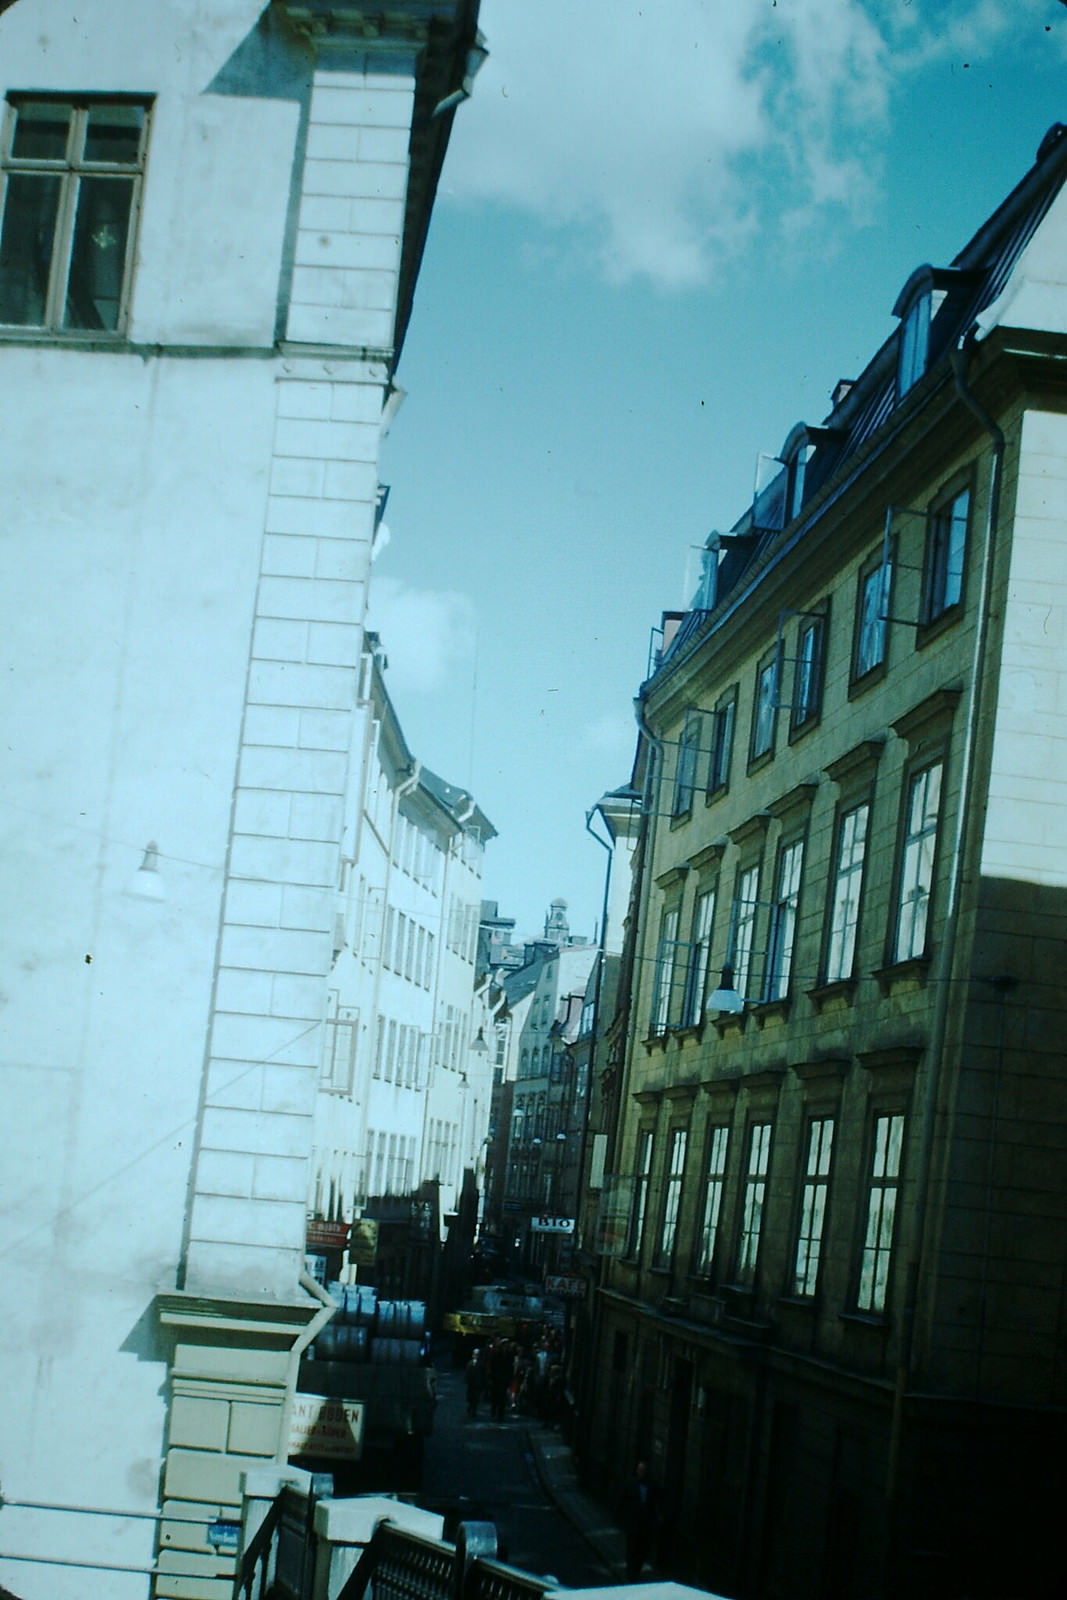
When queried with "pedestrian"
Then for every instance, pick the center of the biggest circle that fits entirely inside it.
(639, 1514)
(474, 1378)
(501, 1368)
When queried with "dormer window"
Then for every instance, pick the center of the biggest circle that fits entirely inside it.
(914, 345)
(795, 456)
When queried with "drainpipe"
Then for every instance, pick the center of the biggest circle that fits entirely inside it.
(327, 1309)
(965, 825)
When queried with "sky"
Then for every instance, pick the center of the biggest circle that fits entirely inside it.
(664, 230)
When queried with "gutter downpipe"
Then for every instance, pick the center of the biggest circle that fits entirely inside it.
(959, 358)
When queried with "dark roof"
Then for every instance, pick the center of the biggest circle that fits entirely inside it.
(460, 805)
(970, 284)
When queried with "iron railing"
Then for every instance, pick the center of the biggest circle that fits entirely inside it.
(279, 1560)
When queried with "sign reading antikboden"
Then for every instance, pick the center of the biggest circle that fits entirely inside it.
(320, 1426)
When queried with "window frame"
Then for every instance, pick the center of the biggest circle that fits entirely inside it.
(716, 1156)
(664, 973)
(864, 671)
(943, 589)
(884, 1168)
(687, 770)
(673, 1189)
(914, 776)
(742, 948)
(72, 170)
(813, 1205)
(785, 915)
(806, 707)
(755, 1184)
(913, 342)
(698, 966)
(764, 708)
(643, 1153)
(840, 971)
(724, 722)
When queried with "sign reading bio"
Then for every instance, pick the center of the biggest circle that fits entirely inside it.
(552, 1224)
(320, 1426)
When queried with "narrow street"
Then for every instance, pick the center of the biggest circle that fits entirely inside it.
(489, 1472)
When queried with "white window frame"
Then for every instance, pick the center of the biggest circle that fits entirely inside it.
(714, 1185)
(663, 979)
(672, 1193)
(70, 170)
(814, 1195)
(784, 919)
(753, 1199)
(876, 1251)
(922, 817)
(699, 965)
(846, 891)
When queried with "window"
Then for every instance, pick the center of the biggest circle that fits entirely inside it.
(642, 1175)
(714, 1182)
(672, 1196)
(917, 862)
(688, 756)
(784, 919)
(813, 1196)
(808, 672)
(755, 1193)
(696, 978)
(722, 741)
(664, 977)
(764, 708)
(71, 177)
(845, 893)
(340, 1052)
(877, 1249)
(745, 908)
(872, 611)
(946, 544)
(913, 344)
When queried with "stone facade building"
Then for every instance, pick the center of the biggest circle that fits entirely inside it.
(832, 1315)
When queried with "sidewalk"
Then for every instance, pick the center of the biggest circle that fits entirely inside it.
(555, 1467)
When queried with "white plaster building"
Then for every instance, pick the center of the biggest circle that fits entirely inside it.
(212, 222)
(405, 1085)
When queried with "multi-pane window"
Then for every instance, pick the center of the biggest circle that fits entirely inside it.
(696, 977)
(784, 919)
(71, 174)
(642, 1177)
(877, 1248)
(340, 1053)
(722, 742)
(917, 862)
(872, 610)
(663, 982)
(672, 1195)
(808, 671)
(744, 931)
(688, 757)
(813, 1195)
(845, 893)
(764, 708)
(752, 1200)
(714, 1183)
(946, 545)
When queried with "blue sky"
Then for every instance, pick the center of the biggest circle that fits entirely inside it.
(665, 229)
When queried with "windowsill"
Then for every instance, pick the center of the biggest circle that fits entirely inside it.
(711, 795)
(685, 1031)
(764, 759)
(728, 1021)
(914, 972)
(771, 1010)
(797, 1302)
(865, 1319)
(798, 730)
(656, 1041)
(934, 627)
(867, 680)
(843, 990)
(679, 818)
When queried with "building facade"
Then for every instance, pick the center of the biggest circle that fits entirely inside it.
(403, 1106)
(829, 1305)
(212, 223)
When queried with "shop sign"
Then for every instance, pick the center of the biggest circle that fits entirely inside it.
(552, 1224)
(566, 1288)
(320, 1426)
(327, 1235)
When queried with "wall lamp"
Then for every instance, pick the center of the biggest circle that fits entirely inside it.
(725, 997)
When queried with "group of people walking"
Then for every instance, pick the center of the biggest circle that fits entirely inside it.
(517, 1380)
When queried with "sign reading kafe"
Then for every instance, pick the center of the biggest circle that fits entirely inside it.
(552, 1224)
(320, 1426)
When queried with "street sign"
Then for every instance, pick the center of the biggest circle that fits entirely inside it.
(552, 1224)
(320, 1426)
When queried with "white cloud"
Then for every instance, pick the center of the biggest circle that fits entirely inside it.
(665, 134)
(427, 634)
